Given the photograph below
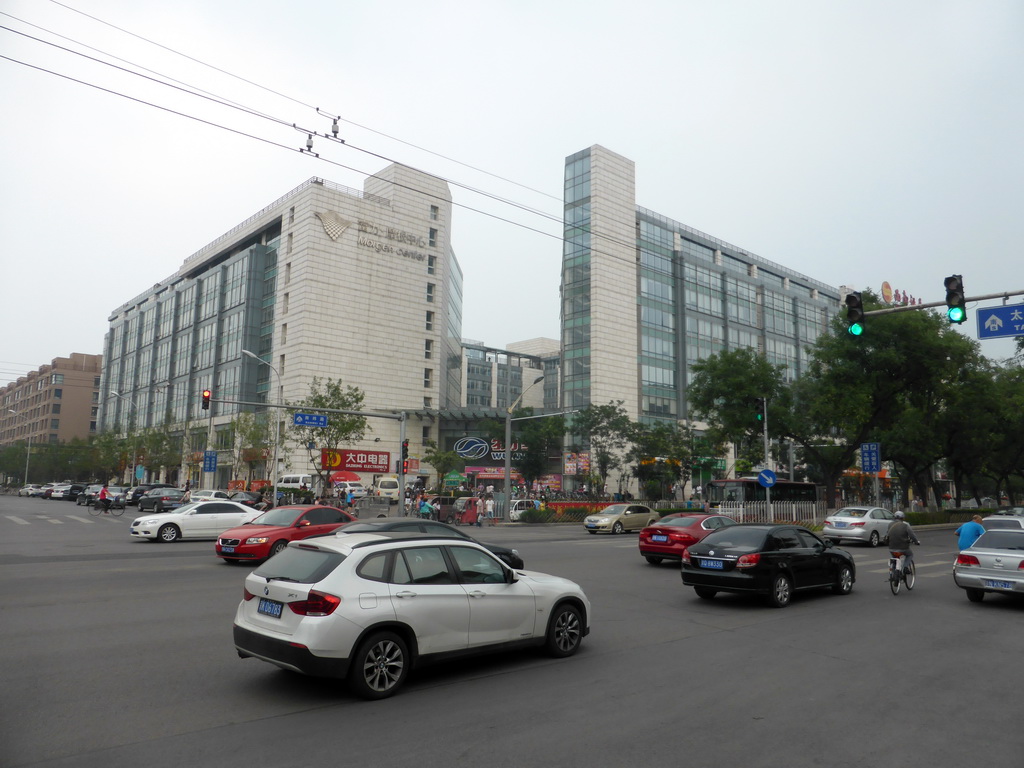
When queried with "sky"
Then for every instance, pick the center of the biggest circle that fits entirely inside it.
(854, 142)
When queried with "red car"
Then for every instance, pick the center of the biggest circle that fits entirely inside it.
(269, 533)
(667, 538)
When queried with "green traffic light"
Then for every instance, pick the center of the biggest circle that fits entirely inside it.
(856, 329)
(956, 314)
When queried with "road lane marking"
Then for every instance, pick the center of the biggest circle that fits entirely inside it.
(18, 520)
(82, 519)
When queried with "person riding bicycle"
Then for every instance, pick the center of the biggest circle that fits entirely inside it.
(103, 499)
(899, 536)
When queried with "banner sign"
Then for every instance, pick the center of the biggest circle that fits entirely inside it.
(355, 460)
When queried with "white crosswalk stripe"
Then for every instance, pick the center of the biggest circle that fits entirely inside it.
(18, 520)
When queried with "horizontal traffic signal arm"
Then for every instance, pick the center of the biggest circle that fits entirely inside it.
(889, 310)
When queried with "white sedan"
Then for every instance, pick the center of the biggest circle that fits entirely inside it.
(197, 520)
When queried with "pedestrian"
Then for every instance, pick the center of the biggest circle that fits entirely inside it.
(350, 498)
(489, 506)
(969, 532)
(187, 497)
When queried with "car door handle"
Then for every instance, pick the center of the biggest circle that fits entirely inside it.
(405, 593)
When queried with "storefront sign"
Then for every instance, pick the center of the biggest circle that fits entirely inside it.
(355, 460)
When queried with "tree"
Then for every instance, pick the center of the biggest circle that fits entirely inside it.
(605, 431)
(660, 456)
(539, 439)
(253, 446)
(443, 462)
(341, 429)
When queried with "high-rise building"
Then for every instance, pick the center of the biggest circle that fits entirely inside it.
(360, 286)
(644, 297)
(53, 404)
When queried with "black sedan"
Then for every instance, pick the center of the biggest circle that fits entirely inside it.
(441, 530)
(770, 560)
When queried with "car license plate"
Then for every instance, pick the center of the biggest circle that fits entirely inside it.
(713, 564)
(591, 525)
(229, 550)
(270, 608)
(998, 584)
(658, 537)
(839, 525)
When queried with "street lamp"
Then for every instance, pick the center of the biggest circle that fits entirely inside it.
(508, 439)
(28, 445)
(135, 437)
(277, 425)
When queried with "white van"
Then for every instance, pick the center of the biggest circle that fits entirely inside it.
(295, 482)
(387, 487)
(343, 487)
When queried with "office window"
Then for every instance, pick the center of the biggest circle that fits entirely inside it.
(54, 423)
(426, 434)
(428, 349)
(427, 377)
(56, 408)
(430, 292)
(58, 393)
(433, 237)
(56, 378)
(430, 320)
(428, 402)
(434, 212)
(431, 265)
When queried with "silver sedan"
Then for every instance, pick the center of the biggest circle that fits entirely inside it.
(868, 525)
(994, 563)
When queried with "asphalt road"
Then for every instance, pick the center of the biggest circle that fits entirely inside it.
(118, 653)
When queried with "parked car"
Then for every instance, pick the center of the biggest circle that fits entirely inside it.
(58, 491)
(65, 491)
(669, 536)
(519, 506)
(88, 495)
(46, 490)
(993, 522)
(195, 520)
(30, 490)
(770, 560)
(344, 486)
(867, 525)
(269, 533)
(438, 529)
(1014, 511)
(249, 498)
(207, 495)
(118, 495)
(335, 606)
(161, 499)
(994, 563)
(141, 490)
(619, 518)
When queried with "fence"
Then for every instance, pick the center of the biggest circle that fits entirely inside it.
(808, 512)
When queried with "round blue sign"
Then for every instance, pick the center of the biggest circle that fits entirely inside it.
(766, 478)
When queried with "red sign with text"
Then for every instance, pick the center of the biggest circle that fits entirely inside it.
(356, 461)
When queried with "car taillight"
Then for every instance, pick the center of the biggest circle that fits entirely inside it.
(748, 561)
(686, 556)
(682, 538)
(317, 604)
(1020, 565)
(856, 525)
(247, 595)
(967, 560)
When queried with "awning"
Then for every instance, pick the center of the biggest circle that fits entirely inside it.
(344, 476)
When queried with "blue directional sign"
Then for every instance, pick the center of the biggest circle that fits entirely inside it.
(996, 322)
(870, 457)
(766, 478)
(209, 461)
(310, 420)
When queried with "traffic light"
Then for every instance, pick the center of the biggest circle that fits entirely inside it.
(955, 300)
(405, 466)
(854, 314)
(206, 399)
(405, 450)
(758, 404)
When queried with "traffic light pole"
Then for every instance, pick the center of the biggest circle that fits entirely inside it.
(912, 307)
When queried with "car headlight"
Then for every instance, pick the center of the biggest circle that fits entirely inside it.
(257, 540)
(602, 520)
(150, 521)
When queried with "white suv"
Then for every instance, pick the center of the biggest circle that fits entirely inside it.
(371, 606)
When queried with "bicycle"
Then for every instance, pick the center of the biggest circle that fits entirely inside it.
(101, 506)
(901, 571)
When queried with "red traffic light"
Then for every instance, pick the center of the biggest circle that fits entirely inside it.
(206, 399)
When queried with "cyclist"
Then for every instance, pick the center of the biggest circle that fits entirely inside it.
(899, 536)
(104, 499)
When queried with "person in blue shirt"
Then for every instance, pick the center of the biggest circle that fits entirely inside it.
(969, 532)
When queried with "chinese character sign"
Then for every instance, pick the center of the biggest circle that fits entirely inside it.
(355, 460)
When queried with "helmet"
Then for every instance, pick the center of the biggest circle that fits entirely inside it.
(899, 515)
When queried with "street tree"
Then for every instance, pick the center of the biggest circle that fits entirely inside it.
(443, 462)
(604, 431)
(341, 429)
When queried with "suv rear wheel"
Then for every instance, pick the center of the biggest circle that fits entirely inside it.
(379, 666)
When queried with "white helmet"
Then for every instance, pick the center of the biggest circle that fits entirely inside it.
(899, 515)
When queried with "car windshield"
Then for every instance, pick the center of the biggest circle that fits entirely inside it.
(679, 522)
(851, 512)
(305, 566)
(279, 516)
(614, 509)
(187, 507)
(736, 537)
(1000, 539)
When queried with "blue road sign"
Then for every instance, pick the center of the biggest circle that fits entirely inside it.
(766, 478)
(997, 322)
(870, 457)
(310, 419)
(209, 461)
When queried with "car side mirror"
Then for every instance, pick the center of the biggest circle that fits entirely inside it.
(302, 523)
(828, 544)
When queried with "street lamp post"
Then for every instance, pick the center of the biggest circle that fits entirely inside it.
(277, 425)
(28, 444)
(508, 440)
(135, 437)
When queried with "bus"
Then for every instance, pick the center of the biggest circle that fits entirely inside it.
(746, 489)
